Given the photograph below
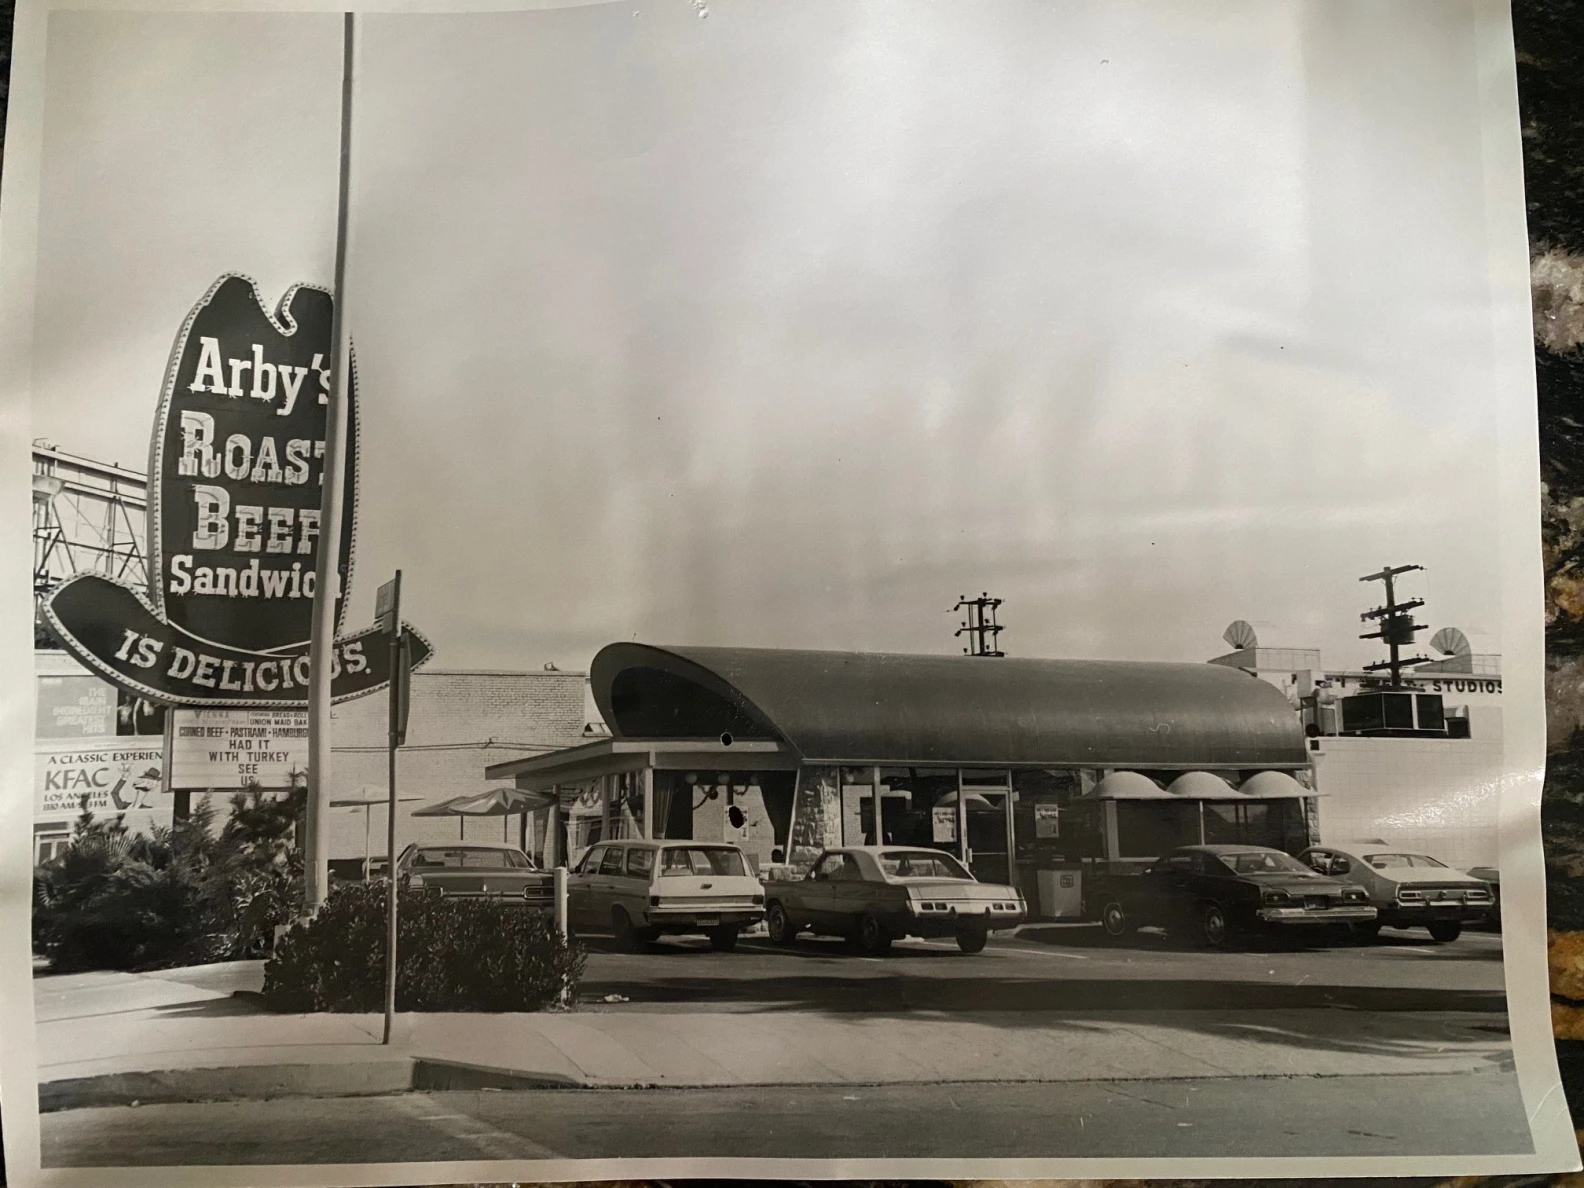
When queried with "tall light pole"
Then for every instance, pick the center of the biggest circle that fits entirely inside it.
(327, 584)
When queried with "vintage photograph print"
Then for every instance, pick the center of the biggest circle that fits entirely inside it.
(933, 594)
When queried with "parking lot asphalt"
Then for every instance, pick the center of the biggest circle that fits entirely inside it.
(1051, 968)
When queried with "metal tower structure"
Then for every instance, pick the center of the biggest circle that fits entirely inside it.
(1396, 627)
(88, 517)
(980, 625)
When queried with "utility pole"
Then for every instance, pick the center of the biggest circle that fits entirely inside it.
(387, 612)
(1396, 626)
(980, 625)
(327, 588)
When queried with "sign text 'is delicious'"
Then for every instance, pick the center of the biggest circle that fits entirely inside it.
(235, 487)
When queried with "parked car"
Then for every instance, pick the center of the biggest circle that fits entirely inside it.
(1490, 876)
(477, 870)
(1408, 889)
(874, 894)
(641, 890)
(1214, 892)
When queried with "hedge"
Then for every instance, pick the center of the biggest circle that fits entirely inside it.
(181, 895)
(452, 954)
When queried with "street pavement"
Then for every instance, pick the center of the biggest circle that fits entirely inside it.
(1334, 1116)
(1358, 1041)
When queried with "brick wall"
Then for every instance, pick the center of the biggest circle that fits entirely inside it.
(460, 722)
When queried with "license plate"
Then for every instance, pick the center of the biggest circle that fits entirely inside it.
(1319, 905)
(708, 921)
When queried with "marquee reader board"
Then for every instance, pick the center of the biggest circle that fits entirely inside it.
(240, 748)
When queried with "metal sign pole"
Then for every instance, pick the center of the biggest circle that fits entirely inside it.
(327, 592)
(396, 736)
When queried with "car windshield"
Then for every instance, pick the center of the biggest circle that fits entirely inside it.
(702, 860)
(1390, 861)
(921, 864)
(473, 857)
(1264, 862)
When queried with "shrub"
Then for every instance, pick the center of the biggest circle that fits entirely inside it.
(183, 895)
(452, 955)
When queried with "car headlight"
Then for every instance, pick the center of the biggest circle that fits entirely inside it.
(415, 881)
(1354, 894)
(1406, 896)
(1275, 897)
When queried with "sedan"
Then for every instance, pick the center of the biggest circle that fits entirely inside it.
(1408, 889)
(1215, 892)
(875, 894)
(477, 871)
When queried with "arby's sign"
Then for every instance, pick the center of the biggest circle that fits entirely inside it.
(235, 488)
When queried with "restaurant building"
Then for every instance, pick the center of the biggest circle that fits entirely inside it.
(1033, 771)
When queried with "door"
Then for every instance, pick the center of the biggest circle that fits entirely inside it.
(605, 886)
(1167, 892)
(631, 890)
(579, 889)
(990, 856)
(819, 898)
(850, 895)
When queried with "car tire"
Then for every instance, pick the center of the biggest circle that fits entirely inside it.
(972, 940)
(628, 938)
(873, 939)
(780, 927)
(1214, 928)
(724, 938)
(1443, 931)
(1114, 919)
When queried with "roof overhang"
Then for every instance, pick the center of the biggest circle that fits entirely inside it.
(863, 708)
(608, 756)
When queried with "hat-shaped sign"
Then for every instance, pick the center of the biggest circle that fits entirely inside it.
(235, 488)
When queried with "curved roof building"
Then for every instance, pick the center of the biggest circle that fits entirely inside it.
(869, 707)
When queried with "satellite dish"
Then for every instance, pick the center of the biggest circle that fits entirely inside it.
(1451, 641)
(1241, 635)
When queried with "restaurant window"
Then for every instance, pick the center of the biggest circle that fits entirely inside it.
(1042, 801)
(1279, 824)
(626, 805)
(1150, 828)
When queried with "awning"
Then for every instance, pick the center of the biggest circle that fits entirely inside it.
(1274, 785)
(1127, 785)
(1202, 785)
(865, 707)
(494, 802)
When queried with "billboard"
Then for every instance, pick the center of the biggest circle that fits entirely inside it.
(74, 707)
(117, 776)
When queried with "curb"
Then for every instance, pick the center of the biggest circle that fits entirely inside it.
(236, 1083)
(261, 1082)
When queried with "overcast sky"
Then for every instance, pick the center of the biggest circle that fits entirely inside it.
(788, 324)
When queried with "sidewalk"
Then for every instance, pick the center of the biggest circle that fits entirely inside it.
(108, 1038)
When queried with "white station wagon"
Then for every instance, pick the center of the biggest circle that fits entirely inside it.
(641, 890)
